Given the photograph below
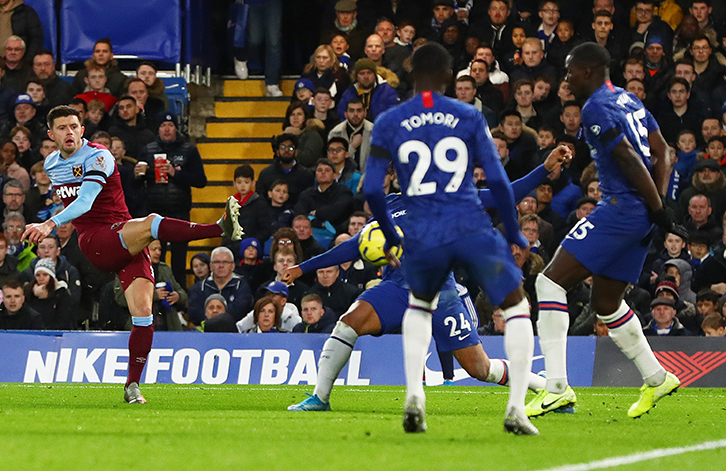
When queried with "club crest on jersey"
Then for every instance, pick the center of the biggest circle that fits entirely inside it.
(78, 171)
(595, 129)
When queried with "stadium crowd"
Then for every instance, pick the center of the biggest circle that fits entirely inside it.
(510, 63)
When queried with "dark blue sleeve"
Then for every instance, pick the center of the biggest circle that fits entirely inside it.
(521, 187)
(341, 253)
(376, 167)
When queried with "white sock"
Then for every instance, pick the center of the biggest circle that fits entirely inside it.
(416, 329)
(627, 333)
(335, 354)
(552, 325)
(499, 374)
(519, 345)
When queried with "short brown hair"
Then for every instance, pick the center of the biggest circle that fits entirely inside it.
(713, 321)
(63, 111)
(311, 297)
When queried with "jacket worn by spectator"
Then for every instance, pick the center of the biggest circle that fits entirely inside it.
(335, 204)
(236, 292)
(712, 271)
(115, 79)
(338, 296)
(383, 97)
(57, 91)
(298, 179)
(677, 329)
(56, 310)
(25, 319)
(64, 271)
(134, 137)
(346, 131)
(176, 195)
(324, 326)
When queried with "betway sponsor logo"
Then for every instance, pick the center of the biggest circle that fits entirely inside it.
(690, 368)
(185, 366)
(67, 191)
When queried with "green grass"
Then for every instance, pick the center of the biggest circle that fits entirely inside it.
(88, 427)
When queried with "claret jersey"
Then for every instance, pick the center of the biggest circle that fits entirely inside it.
(91, 162)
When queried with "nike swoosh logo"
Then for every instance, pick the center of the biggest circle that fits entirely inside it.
(545, 406)
(462, 337)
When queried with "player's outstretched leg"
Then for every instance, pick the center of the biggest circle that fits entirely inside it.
(178, 230)
(519, 345)
(626, 332)
(416, 329)
(335, 355)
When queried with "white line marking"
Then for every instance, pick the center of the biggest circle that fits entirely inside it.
(648, 455)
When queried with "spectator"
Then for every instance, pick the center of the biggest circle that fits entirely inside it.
(683, 273)
(711, 273)
(549, 13)
(267, 316)
(443, 10)
(82, 108)
(92, 279)
(322, 110)
(171, 195)
(21, 136)
(714, 325)
(169, 296)
(700, 218)
(523, 92)
(496, 326)
(335, 293)
(686, 159)
(686, 311)
(40, 196)
(710, 128)
(14, 314)
(664, 321)
(310, 145)
(513, 169)
(222, 281)
(217, 319)
(25, 114)
(709, 181)
(339, 43)
(358, 272)
(283, 259)
(131, 127)
(131, 178)
(465, 90)
(264, 24)
(657, 66)
(303, 92)
(716, 150)
(316, 318)
(329, 201)
(50, 297)
(101, 138)
(285, 167)
(281, 211)
(199, 265)
(346, 22)
(522, 145)
(707, 302)
(377, 96)
(155, 87)
(584, 207)
(21, 20)
(325, 72)
(304, 230)
(250, 265)
(674, 246)
(374, 50)
(346, 171)
(96, 88)
(529, 225)
(57, 90)
(103, 56)
(545, 194)
(709, 71)
(491, 96)
(513, 58)
(560, 47)
(637, 88)
(36, 90)
(533, 62)
(289, 317)
(10, 166)
(497, 28)
(8, 263)
(254, 214)
(356, 130)
(13, 228)
(679, 115)
(17, 70)
(402, 46)
(151, 107)
(647, 23)
(356, 222)
(698, 248)
(701, 11)
(49, 247)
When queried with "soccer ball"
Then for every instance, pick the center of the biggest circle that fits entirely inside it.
(371, 241)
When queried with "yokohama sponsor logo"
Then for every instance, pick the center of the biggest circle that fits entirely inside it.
(690, 368)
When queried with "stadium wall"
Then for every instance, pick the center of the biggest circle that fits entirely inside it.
(192, 358)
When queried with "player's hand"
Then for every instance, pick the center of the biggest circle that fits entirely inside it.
(561, 155)
(518, 239)
(291, 274)
(392, 260)
(34, 233)
(665, 219)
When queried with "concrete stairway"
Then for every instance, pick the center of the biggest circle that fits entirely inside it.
(239, 133)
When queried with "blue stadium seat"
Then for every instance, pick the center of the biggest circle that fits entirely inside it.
(176, 90)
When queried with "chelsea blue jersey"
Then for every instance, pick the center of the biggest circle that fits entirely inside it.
(610, 114)
(434, 143)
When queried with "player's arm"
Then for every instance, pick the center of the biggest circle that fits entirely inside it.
(485, 154)
(344, 252)
(87, 194)
(635, 171)
(376, 168)
(660, 160)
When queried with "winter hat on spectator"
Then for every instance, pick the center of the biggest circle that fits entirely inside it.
(668, 284)
(304, 83)
(636, 45)
(363, 64)
(248, 242)
(46, 265)
(218, 297)
(662, 301)
(706, 164)
(345, 5)
(446, 3)
(168, 116)
(277, 287)
(24, 98)
(653, 39)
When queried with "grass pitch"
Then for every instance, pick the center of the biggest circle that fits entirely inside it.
(89, 427)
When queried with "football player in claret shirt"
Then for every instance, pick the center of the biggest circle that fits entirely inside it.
(434, 143)
(612, 242)
(85, 177)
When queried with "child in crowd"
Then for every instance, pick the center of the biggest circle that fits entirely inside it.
(254, 213)
(405, 34)
(339, 43)
(686, 158)
(39, 197)
(714, 325)
(96, 112)
(250, 266)
(96, 88)
(303, 92)
(514, 58)
(716, 150)
(280, 209)
(562, 44)
(698, 247)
